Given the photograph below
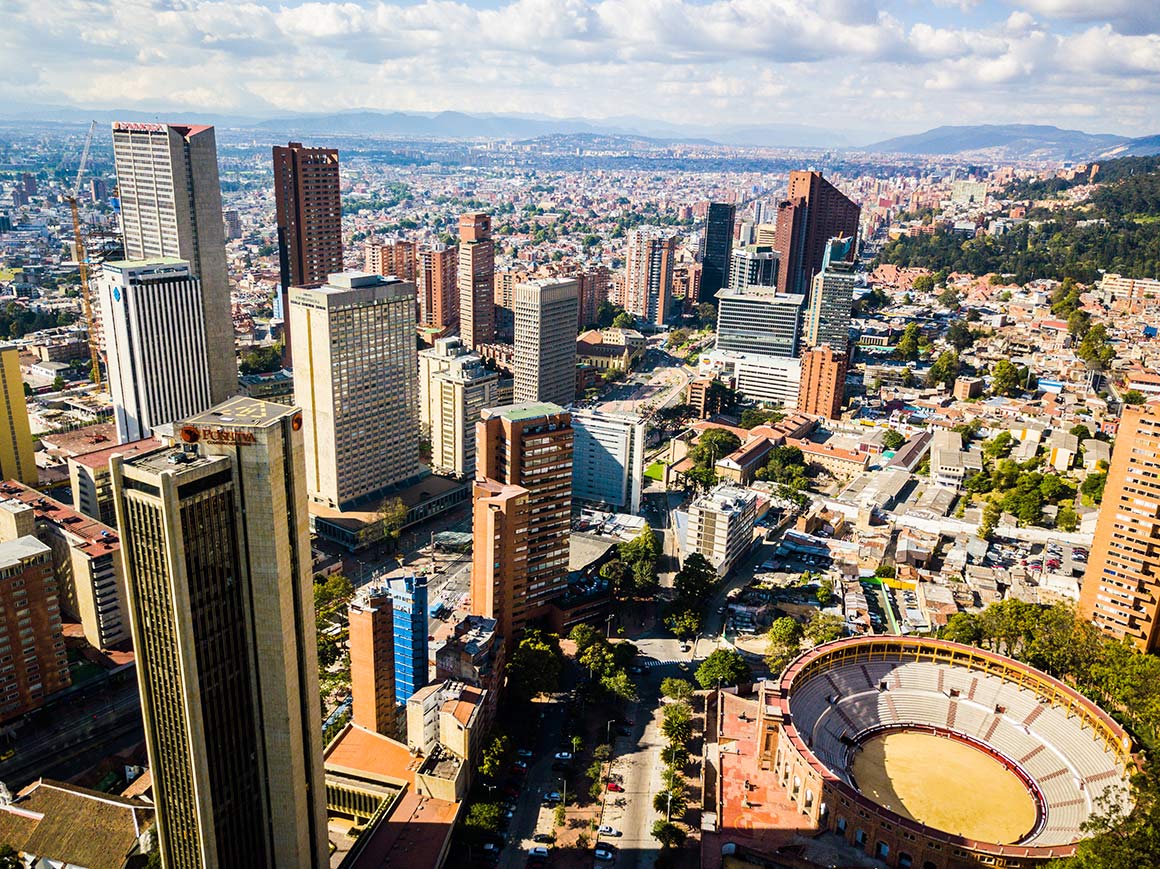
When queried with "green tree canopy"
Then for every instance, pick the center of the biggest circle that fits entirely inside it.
(824, 628)
(536, 665)
(723, 667)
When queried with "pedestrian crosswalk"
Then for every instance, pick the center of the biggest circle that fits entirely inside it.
(648, 663)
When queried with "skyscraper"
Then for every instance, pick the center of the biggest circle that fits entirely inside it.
(409, 606)
(499, 557)
(832, 297)
(758, 320)
(395, 257)
(718, 246)
(812, 213)
(475, 278)
(529, 446)
(354, 339)
(823, 382)
(594, 282)
(545, 348)
(308, 209)
(454, 387)
(17, 452)
(438, 291)
(171, 206)
(752, 266)
(155, 340)
(1120, 593)
(608, 458)
(648, 280)
(217, 546)
(371, 617)
(504, 303)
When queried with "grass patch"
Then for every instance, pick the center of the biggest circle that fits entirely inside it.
(655, 471)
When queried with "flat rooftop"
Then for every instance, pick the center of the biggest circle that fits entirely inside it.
(242, 412)
(526, 410)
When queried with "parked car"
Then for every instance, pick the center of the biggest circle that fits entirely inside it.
(604, 855)
(605, 830)
(520, 765)
(552, 797)
(543, 838)
(538, 851)
(615, 788)
(524, 753)
(563, 755)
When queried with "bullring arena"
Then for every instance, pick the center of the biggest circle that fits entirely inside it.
(933, 755)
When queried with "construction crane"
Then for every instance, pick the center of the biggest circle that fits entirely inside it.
(82, 257)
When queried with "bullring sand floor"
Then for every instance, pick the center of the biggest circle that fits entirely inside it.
(945, 784)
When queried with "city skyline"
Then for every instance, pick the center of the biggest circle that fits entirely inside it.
(829, 65)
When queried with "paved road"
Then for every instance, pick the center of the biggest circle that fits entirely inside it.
(529, 818)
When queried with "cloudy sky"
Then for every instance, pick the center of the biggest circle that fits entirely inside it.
(871, 68)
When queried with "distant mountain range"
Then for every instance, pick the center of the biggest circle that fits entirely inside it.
(1018, 142)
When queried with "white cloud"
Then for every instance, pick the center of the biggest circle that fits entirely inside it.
(839, 63)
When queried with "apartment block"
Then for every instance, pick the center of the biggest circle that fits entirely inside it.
(608, 459)
(545, 346)
(475, 276)
(721, 526)
(454, 387)
(823, 382)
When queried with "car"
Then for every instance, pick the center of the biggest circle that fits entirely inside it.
(551, 796)
(685, 647)
(490, 848)
(8, 753)
(604, 855)
(563, 755)
(606, 830)
(615, 788)
(538, 851)
(524, 753)
(720, 610)
(521, 764)
(543, 838)
(683, 666)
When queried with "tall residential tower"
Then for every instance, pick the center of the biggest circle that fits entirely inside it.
(545, 349)
(475, 276)
(813, 212)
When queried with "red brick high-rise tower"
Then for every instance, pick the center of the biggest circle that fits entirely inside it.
(814, 212)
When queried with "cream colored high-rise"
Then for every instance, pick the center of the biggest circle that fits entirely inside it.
(354, 377)
(454, 387)
(171, 206)
(17, 452)
(216, 545)
(545, 351)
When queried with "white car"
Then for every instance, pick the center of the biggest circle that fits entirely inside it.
(524, 753)
(604, 855)
(538, 851)
(563, 755)
(606, 830)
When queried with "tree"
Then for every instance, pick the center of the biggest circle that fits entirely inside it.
(1118, 841)
(491, 764)
(825, 591)
(261, 360)
(684, 622)
(393, 514)
(1133, 396)
(783, 642)
(824, 628)
(962, 628)
(585, 636)
(1005, 378)
(619, 576)
(713, 445)
(723, 667)
(1093, 486)
(1095, 349)
(559, 815)
(624, 320)
(1000, 446)
(668, 834)
(676, 689)
(535, 665)
(907, 348)
(992, 513)
(893, 439)
(620, 686)
(484, 817)
(676, 730)
(959, 335)
(695, 581)
(671, 803)
(1081, 431)
(332, 594)
(57, 383)
(945, 369)
(949, 298)
(676, 756)
(1078, 323)
(923, 284)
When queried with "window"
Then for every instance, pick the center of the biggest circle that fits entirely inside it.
(882, 851)
(860, 837)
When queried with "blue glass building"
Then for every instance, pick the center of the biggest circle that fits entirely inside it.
(409, 603)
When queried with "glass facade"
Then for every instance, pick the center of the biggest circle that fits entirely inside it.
(409, 604)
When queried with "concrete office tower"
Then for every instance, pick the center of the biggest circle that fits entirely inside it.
(233, 224)
(530, 445)
(372, 660)
(396, 257)
(648, 279)
(718, 246)
(1120, 594)
(171, 206)
(756, 322)
(812, 213)
(545, 357)
(30, 621)
(823, 382)
(765, 235)
(354, 339)
(594, 284)
(504, 302)
(155, 339)
(409, 606)
(721, 525)
(608, 459)
(438, 292)
(454, 387)
(17, 451)
(499, 558)
(476, 279)
(752, 266)
(771, 380)
(217, 544)
(832, 297)
(308, 210)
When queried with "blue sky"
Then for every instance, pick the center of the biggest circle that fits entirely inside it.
(867, 68)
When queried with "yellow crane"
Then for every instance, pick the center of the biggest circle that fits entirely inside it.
(82, 257)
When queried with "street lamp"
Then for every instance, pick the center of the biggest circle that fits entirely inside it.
(608, 734)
